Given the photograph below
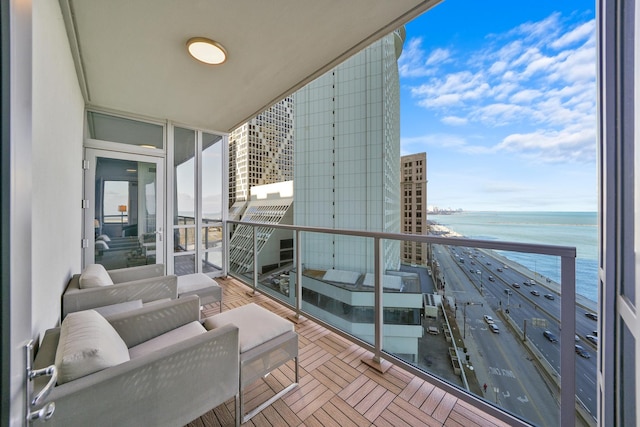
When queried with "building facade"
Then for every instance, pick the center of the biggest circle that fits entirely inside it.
(347, 157)
(413, 187)
(261, 151)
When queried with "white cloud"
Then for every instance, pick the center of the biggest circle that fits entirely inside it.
(438, 56)
(539, 75)
(414, 61)
(554, 146)
(585, 31)
(455, 121)
(525, 96)
(439, 140)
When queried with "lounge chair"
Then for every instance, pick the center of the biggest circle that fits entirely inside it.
(119, 290)
(154, 366)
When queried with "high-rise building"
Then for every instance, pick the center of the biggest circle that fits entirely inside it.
(261, 151)
(413, 187)
(347, 157)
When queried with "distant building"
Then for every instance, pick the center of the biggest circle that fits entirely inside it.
(413, 188)
(261, 151)
(271, 204)
(347, 157)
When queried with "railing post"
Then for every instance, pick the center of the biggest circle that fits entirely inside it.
(296, 318)
(567, 341)
(376, 361)
(255, 261)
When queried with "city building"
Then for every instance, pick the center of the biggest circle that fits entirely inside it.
(347, 157)
(261, 151)
(270, 204)
(63, 60)
(413, 188)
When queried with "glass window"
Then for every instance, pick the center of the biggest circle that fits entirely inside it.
(184, 173)
(125, 131)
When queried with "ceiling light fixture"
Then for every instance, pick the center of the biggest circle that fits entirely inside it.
(206, 50)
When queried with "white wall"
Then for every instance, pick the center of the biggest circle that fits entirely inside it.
(58, 109)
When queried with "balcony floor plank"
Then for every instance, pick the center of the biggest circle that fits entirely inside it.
(336, 388)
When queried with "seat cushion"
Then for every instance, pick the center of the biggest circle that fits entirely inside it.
(176, 335)
(191, 283)
(87, 344)
(256, 325)
(93, 276)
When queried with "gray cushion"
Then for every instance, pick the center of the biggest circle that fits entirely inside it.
(176, 335)
(93, 276)
(88, 344)
(256, 325)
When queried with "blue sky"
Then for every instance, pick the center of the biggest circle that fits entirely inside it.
(501, 96)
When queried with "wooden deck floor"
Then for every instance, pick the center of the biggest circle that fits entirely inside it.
(336, 388)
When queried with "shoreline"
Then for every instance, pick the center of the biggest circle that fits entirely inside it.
(581, 300)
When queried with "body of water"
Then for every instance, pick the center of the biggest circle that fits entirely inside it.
(575, 229)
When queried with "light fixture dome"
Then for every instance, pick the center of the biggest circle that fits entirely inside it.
(206, 50)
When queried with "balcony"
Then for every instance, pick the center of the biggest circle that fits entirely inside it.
(336, 388)
(411, 341)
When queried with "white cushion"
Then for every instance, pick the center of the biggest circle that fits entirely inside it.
(88, 344)
(194, 282)
(103, 237)
(94, 275)
(161, 341)
(256, 325)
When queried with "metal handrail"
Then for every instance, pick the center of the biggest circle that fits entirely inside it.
(567, 310)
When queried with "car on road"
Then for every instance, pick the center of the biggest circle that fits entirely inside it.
(499, 270)
(592, 316)
(488, 263)
(550, 336)
(526, 283)
(492, 279)
(593, 339)
(472, 270)
(516, 285)
(494, 328)
(488, 319)
(580, 351)
(478, 272)
(549, 296)
(508, 291)
(535, 293)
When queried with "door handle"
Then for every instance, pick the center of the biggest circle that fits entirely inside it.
(47, 410)
(159, 233)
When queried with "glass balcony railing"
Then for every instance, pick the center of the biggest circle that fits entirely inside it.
(471, 317)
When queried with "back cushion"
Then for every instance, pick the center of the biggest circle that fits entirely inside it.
(88, 344)
(93, 276)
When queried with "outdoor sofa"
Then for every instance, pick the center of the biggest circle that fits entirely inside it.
(154, 366)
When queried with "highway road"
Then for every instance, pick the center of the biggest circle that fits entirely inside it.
(504, 353)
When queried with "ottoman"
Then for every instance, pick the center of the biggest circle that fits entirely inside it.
(202, 285)
(266, 342)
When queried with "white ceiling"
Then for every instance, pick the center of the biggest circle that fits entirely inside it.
(131, 55)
